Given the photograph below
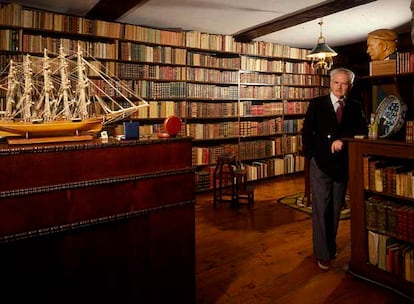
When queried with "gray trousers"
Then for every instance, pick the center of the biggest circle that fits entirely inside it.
(328, 198)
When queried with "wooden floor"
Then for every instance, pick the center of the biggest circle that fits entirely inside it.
(264, 255)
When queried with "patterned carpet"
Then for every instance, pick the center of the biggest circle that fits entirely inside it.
(299, 201)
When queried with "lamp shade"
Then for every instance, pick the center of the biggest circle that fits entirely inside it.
(322, 50)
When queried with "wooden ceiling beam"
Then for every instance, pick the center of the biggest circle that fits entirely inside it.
(110, 10)
(298, 17)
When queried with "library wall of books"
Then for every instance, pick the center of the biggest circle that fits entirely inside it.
(245, 98)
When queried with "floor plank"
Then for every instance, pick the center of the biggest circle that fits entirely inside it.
(264, 255)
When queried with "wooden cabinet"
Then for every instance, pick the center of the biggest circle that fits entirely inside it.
(98, 222)
(360, 264)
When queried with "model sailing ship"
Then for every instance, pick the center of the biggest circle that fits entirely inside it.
(54, 97)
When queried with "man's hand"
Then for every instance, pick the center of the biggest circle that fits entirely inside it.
(337, 146)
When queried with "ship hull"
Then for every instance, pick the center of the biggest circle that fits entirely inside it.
(47, 129)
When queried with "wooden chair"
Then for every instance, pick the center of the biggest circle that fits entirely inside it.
(230, 182)
(224, 186)
(244, 190)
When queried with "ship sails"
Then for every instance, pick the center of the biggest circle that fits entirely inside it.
(55, 97)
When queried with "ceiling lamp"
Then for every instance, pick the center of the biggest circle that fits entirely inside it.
(322, 53)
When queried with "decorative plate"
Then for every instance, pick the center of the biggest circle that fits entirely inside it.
(390, 116)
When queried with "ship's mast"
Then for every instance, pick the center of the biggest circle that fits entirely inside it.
(82, 85)
(28, 88)
(65, 84)
(48, 88)
(12, 85)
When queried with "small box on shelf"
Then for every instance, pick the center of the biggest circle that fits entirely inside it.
(131, 130)
(382, 67)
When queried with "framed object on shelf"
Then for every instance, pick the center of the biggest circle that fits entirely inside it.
(390, 116)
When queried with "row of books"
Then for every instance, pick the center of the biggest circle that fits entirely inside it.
(260, 148)
(258, 78)
(261, 92)
(15, 15)
(295, 107)
(207, 60)
(208, 155)
(208, 91)
(37, 44)
(146, 53)
(299, 67)
(227, 43)
(390, 255)
(245, 150)
(390, 218)
(157, 89)
(168, 72)
(300, 92)
(291, 143)
(409, 131)
(209, 75)
(389, 176)
(160, 109)
(303, 79)
(9, 40)
(213, 130)
(245, 128)
(190, 109)
(261, 65)
(150, 71)
(292, 125)
(144, 88)
(256, 128)
(203, 180)
(255, 170)
(260, 108)
(273, 167)
(405, 62)
(212, 109)
(146, 71)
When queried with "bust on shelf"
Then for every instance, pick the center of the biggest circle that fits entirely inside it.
(412, 21)
(382, 44)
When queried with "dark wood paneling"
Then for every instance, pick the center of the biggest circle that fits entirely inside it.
(106, 10)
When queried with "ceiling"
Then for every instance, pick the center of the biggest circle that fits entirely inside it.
(248, 19)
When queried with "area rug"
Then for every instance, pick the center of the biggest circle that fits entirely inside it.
(299, 202)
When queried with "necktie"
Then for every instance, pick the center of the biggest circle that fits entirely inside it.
(339, 110)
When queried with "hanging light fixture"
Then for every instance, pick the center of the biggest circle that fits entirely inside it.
(322, 53)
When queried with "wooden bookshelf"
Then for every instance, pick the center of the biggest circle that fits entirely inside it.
(231, 96)
(361, 264)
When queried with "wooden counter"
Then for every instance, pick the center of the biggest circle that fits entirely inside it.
(98, 222)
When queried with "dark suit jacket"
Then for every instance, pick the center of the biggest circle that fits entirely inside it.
(321, 128)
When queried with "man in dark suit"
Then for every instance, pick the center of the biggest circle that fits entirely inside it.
(322, 136)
